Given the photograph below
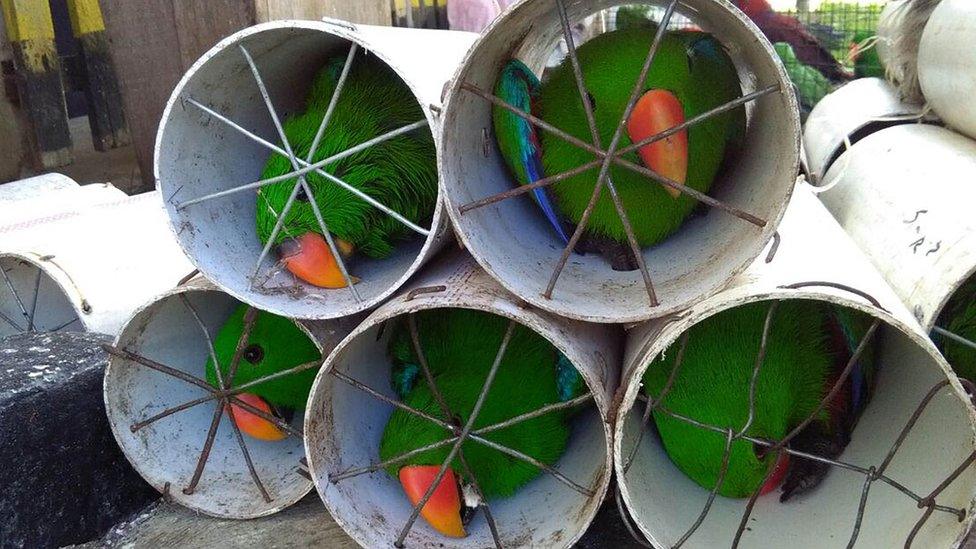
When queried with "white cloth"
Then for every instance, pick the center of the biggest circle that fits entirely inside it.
(474, 15)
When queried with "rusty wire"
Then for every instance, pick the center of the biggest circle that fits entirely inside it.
(29, 317)
(225, 394)
(872, 473)
(613, 154)
(301, 167)
(461, 434)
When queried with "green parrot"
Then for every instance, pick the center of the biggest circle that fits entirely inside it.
(691, 74)
(811, 85)
(809, 345)
(959, 317)
(460, 346)
(275, 344)
(867, 63)
(400, 173)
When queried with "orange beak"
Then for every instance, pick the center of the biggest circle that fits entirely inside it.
(780, 468)
(443, 510)
(253, 425)
(309, 258)
(655, 112)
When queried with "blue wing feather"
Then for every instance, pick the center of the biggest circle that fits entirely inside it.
(517, 85)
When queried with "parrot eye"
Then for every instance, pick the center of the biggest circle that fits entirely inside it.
(302, 195)
(254, 354)
(589, 97)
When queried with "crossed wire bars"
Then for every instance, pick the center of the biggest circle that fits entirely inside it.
(226, 395)
(776, 447)
(28, 313)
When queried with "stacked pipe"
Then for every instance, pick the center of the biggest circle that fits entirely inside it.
(168, 393)
(80, 258)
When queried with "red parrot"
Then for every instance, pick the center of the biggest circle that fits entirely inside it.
(779, 27)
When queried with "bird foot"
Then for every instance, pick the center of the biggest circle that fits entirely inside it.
(616, 253)
(806, 474)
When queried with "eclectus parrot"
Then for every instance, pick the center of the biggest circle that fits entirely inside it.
(810, 85)
(400, 173)
(460, 346)
(780, 27)
(959, 317)
(691, 74)
(809, 345)
(276, 344)
(867, 62)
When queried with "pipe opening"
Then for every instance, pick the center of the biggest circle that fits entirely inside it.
(171, 411)
(299, 170)
(30, 300)
(539, 488)
(855, 476)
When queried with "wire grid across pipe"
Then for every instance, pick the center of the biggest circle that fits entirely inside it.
(906, 490)
(590, 290)
(225, 118)
(343, 427)
(170, 422)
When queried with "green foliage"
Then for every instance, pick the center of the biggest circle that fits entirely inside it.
(282, 346)
(400, 173)
(460, 346)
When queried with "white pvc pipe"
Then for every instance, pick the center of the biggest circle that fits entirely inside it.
(665, 503)
(98, 259)
(197, 155)
(343, 425)
(906, 199)
(945, 64)
(165, 453)
(514, 243)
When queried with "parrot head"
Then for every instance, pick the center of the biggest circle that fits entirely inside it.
(276, 344)
(691, 73)
(399, 172)
(753, 7)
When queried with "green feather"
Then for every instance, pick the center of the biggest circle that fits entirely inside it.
(460, 346)
(282, 346)
(701, 78)
(960, 318)
(868, 63)
(712, 386)
(400, 173)
(811, 85)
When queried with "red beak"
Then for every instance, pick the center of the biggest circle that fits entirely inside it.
(253, 425)
(780, 468)
(309, 258)
(655, 112)
(443, 510)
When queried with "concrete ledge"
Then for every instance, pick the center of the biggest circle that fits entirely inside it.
(64, 479)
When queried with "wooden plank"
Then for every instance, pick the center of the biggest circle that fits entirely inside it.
(200, 25)
(145, 48)
(31, 32)
(373, 12)
(106, 116)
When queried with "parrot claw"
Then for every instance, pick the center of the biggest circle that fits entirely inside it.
(806, 474)
(616, 253)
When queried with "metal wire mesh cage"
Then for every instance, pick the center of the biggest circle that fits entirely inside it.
(352, 400)
(224, 120)
(61, 264)
(903, 478)
(169, 420)
(514, 243)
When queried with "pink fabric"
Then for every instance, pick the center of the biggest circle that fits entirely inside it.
(474, 15)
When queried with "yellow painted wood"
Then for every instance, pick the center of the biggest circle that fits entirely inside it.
(27, 20)
(86, 17)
